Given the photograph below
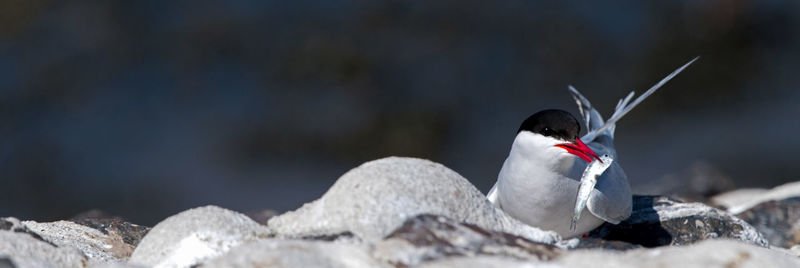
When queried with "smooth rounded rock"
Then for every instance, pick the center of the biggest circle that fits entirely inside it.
(194, 236)
(296, 253)
(375, 198)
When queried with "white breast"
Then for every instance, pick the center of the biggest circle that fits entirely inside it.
(538, 184)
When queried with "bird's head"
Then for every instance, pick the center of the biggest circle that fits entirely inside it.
(556, 128)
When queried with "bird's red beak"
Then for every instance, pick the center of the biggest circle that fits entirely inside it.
(580, 150)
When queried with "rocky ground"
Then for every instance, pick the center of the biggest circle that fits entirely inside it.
(405, 212)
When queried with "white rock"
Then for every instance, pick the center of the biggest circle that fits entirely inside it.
(375, 198)
(26, 251)
(194, 236)
(741, 200)
(296, 253)
(708, 253)
(96, 246)
(737, 197)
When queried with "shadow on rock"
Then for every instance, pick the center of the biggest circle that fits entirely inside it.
(661, 221)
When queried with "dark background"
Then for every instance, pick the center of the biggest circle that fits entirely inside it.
(144, 109)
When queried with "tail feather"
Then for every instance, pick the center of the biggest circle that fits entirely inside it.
(622, 103)
(596, 127)
(617, 110)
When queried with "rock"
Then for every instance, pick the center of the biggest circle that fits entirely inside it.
(709, 253)
(194, 236)
(113, 226)
(777, 220)
(23, 250)
(485, 262)
(8, 223)
(794, 250)
(345, 236)
(14, 225)
(743, 203)
(775, 212)
(659, 221)
(117, 265)
(375, 198)
(96, 246)
(597, 243)
(295, 253)
(735, 198)
(430, 237)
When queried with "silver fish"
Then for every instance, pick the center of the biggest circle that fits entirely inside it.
(588, 180)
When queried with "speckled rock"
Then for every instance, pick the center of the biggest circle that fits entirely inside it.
(296, 253)
(23, 250)
(96, 246)
(14, 225)
(773, 212)
(375, 198)
(777, 220)
(660, 221)
(194, 236)
(112, 226)
(429, 237)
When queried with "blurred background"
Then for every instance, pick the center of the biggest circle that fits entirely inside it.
(146, 108)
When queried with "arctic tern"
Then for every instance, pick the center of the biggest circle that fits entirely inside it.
(539, 180)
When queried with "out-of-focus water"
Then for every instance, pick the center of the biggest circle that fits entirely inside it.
(144, 108)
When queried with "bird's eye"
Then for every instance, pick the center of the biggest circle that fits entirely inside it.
(546, 131)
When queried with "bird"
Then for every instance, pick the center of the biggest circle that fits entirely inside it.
(539, 179)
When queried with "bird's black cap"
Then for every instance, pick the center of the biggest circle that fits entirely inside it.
(554, 123)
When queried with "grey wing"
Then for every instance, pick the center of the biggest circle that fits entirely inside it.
(611, 198)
